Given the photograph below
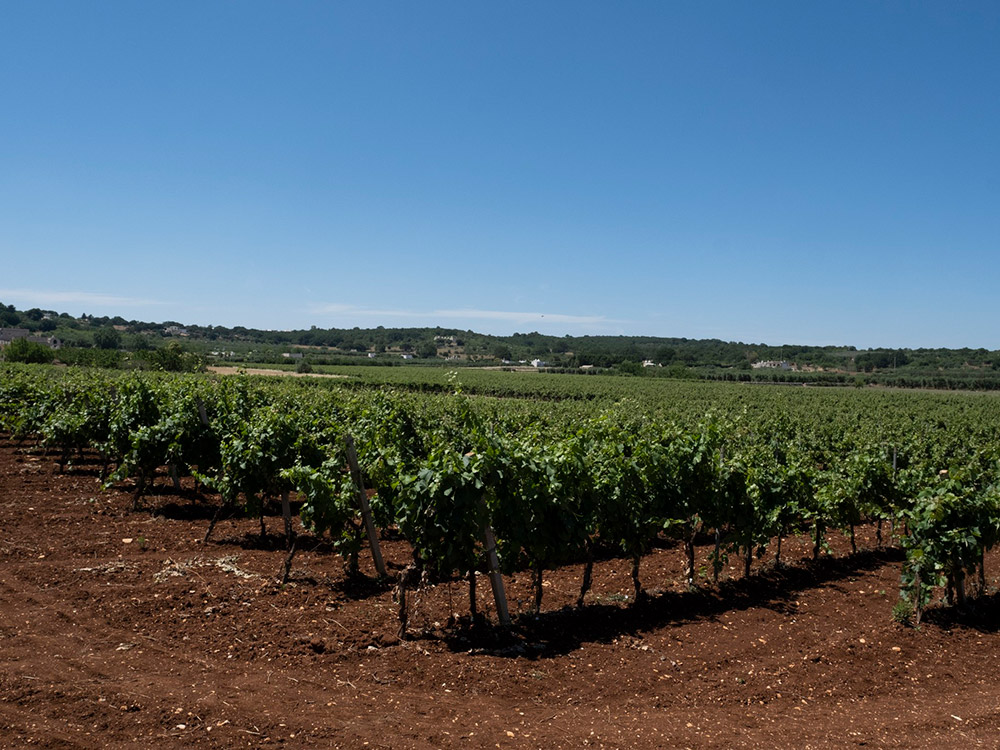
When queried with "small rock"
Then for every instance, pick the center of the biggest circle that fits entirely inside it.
(318, 645)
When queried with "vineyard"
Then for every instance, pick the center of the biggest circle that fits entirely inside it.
(521, 518)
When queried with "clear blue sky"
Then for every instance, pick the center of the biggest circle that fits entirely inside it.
(777, 172)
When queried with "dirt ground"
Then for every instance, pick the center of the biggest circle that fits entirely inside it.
(230, 370)
(120, 629)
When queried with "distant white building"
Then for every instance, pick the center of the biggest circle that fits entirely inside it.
(771, 364)
(539, 363)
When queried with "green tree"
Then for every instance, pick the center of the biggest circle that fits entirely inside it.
(665, 355)
(630, 368)
(107, 338)
(136, 342)
(22, 350)
(502, 351)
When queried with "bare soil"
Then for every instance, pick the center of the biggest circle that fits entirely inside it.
(120, 629)
(232, 370)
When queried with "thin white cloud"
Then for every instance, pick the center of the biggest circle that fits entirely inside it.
(522, 317)
(37, 298)
(464, 314)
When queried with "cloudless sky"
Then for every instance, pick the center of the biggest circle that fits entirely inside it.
(774, 172)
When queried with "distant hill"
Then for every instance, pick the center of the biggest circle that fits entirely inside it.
(648, 355)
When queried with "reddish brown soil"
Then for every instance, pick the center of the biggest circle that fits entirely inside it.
(225, 370)
(119, 629)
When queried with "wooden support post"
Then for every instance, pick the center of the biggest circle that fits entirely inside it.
(409, 577)
(717, 558)
(690, 551)
(496, 579)
(286, 569)
(588, 571)
(286, 513)
(174, 477)
(203, 415)
(982, 571)
(473, 609)
(366, 511)
(215, 519)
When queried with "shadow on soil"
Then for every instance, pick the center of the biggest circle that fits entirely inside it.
(981, 614)
(196, 509)
(556, 633)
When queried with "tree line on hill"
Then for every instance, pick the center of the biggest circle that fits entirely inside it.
(101, 340)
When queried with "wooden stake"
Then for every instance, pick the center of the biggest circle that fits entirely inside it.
(140, 487)
(982, 571)
(286, 513)
(496, 579)
(215, 518)
(636, 585)
(287, 569)
(409, 577)
(588, 571)
(538, 588)
(717, 560)
(366, 511)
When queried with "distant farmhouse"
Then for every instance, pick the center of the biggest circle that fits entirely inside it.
(772, 364)
(12, 334)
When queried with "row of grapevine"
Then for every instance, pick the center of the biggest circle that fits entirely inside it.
(477, 485)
